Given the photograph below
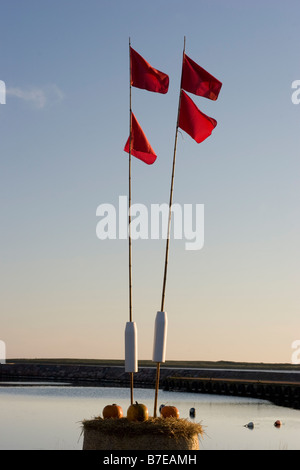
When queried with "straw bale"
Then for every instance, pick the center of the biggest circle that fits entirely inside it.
(153, 434)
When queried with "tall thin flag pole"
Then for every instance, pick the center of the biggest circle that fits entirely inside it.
(168, 238)
(129, 217)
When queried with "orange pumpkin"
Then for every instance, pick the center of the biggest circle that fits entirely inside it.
(112, 411)
(137, 412)
(168, 411)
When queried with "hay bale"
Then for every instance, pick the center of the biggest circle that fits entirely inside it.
(153, 434)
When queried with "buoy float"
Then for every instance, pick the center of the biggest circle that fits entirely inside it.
(160, 337)
(250, 425)
(161, 407)
(131, 363)
(112, 411)
(169, 411)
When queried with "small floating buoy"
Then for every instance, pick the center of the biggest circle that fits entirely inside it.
(161, 407)
(250, 425)
(192, 412)
(277, 423)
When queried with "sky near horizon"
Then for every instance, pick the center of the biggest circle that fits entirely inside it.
(64, 292)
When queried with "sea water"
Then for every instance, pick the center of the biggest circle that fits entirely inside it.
(49, 417)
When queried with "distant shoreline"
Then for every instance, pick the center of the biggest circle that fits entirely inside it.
(167, 364)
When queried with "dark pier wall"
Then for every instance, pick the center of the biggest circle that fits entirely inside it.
(76, 374)
(279, 393)
(282, 388)
(278, 387)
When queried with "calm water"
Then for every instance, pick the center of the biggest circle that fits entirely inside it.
(49, 417)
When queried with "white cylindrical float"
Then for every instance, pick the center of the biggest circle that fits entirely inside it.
(131, 362)
(160, 337)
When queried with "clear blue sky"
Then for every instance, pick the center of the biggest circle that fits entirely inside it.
(64, 293)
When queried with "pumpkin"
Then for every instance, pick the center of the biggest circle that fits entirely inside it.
(112, 411)
(137, 412)
(168, 411)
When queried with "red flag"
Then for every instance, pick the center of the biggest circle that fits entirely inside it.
(193, 121)
(140, 147)
(146, 77)
(198, 81)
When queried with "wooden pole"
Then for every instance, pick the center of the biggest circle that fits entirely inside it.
(129, 195)
(156, 388)
(168, 236)
(129, 218)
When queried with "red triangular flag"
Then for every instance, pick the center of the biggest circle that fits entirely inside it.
(146, 77)
(193, 121)
(140, 147)
(198, 81)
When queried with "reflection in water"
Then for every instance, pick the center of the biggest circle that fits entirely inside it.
(43, 417)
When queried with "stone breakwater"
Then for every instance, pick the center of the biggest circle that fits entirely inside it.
(101, 376)
(282, 388)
